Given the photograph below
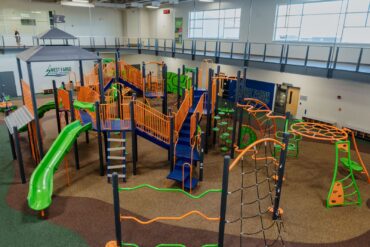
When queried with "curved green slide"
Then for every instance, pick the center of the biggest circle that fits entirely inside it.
(45, 108)
(41, 183)
(41, 112)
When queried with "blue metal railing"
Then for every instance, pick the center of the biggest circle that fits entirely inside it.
(329, 56)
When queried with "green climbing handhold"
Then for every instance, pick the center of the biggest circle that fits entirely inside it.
(224, 149)
(217, 117)
(230, 128)
(224, 135)
(221, 113)
(228, 141)
(216, 129)
(354, 165)
(222, 123)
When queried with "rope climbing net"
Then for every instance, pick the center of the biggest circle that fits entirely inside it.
(254, 195)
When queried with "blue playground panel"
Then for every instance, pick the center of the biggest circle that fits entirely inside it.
(107, 125)
(115, 125)
(263, 91)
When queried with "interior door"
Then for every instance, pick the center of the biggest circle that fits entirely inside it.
(292, 100)
(7, 84)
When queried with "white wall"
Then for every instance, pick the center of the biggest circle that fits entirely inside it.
(257, 26)
(322, 102)
(79, 21)
(41, 81)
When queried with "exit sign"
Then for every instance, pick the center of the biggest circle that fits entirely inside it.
(166, 11)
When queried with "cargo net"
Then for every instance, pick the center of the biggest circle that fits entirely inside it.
(253, 197)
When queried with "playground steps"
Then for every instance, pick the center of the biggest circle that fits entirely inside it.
(184, 152)
(116, 154)
(180, 174)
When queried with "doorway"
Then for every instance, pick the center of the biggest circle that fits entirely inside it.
(7, 84)
(292, 100)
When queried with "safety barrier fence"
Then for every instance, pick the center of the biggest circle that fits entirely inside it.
(109, 113)
(154, 85)
(344, 57)
(131, 74)
(198, 112)
(152, 121)
(182, 112)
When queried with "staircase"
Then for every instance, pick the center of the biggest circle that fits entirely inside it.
(116, 156)
(184, 151)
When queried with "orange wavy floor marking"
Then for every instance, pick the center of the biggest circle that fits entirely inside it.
(169, 218)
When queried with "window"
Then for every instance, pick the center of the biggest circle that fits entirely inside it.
(346, 21)
(214, 24)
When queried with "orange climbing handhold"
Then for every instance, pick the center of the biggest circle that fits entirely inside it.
(276, 177)
(112, 243)
(280, 210)
(337, 196)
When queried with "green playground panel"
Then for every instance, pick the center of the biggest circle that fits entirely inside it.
(252, 136)
(172, 80)
(12, 108)
(84, 105)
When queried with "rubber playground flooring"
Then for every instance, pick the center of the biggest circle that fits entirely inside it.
(82, 214)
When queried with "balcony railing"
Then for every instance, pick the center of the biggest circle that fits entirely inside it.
(331, 57)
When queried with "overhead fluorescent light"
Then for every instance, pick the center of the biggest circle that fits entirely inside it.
(173, 1)
(111, 5)
(80, 1)
(136, 5)
(154, 5)
(206, 1)
(77, 4)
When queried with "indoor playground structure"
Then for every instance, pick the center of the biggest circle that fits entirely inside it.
(211, 120)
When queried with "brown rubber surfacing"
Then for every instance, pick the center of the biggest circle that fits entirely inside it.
(93, 219)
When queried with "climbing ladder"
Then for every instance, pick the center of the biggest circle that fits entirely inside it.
(343, 191)
(116, 155)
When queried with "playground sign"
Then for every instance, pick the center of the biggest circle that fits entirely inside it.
(57, 71)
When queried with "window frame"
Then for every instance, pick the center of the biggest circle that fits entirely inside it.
(338, 39)
(219, 20)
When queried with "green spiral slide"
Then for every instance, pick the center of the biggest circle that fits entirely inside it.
(41, 183)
